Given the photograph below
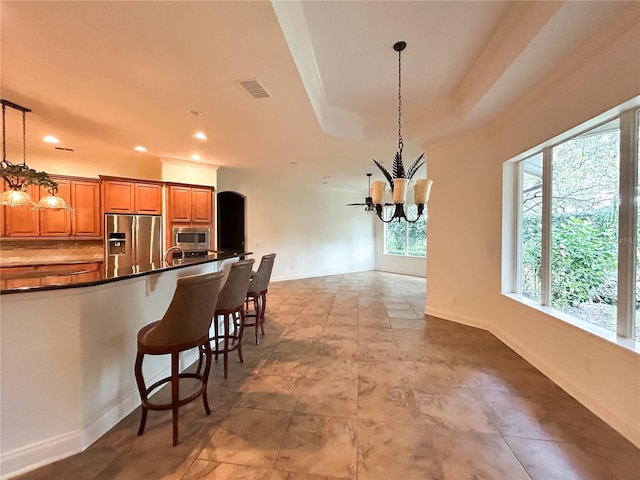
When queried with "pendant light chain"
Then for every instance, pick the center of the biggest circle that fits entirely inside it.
(24, 138)
(400, 142)
(4, 147)
(398, 177)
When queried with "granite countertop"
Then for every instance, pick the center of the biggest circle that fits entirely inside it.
(84, 277)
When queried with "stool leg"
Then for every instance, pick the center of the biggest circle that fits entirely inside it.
(215, 334)
(263, 308)
(256, 307)
(240, 331)
(205, 377)
(226, 343)
(200, 354)
(143, 391)
(175, 395)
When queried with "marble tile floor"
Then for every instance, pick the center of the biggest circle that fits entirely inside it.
(352, 382)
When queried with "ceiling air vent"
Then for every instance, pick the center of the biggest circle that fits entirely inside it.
(254, 88)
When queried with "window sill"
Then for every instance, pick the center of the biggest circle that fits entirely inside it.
(403, 255)
(611, 337)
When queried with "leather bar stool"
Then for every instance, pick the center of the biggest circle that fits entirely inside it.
(230, 306)
(257, 292)
(185, 325)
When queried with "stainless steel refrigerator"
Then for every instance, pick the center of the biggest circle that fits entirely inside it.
(132, 240)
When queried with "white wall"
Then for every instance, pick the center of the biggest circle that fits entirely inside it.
(79, 165)
(465, 222)
(185, 171)
(309, 227)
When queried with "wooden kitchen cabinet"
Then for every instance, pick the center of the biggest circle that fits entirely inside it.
(56, 223)
(201, 205)
(85, 199)
(118, 196)
(2, 209)
(85, 221)
(36, 275)
(131, 196)
(190, 204)
(148, 198)
(179, 204)
(23, 221)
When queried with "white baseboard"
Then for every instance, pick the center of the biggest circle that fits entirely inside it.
(30, 457)
(454, 317)
(300, 276)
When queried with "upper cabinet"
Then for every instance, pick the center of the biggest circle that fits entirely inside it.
(148, 198)
(83, 195)
(85, 199)
(56, 223)
(118, 196)
(179, 203)
(201, 205)
(190, 204)
(23, 221)
(132, 196)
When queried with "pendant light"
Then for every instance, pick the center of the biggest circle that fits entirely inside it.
(400, 179)
(18, 176)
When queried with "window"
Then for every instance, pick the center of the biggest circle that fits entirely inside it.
(584, 225)
(404, 238)
(576, 229)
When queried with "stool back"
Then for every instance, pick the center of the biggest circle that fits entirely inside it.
(260, 280)
(234, 290)
(190, 312)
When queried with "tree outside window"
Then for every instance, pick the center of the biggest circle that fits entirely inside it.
(404, 238)
(583, 223)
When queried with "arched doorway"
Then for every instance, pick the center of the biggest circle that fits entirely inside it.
(231, 219)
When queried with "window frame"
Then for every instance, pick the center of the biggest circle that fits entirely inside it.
(388, 213)
(629, 115)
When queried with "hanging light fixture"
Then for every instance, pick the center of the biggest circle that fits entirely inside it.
(400, 178)
(18, 176)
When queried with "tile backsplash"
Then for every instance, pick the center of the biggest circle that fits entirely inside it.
(45, 251)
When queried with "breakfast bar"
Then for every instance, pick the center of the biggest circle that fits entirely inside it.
(68, 349)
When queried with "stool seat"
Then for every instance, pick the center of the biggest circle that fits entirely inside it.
(185, 325)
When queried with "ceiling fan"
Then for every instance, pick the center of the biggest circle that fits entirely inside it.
(368, 201)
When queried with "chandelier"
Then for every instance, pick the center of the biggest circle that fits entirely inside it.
(18, 176)
(399, 178)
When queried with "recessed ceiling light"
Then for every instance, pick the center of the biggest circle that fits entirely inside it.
(200, 136)
(51, 139)
(140, 148)
(195, 156)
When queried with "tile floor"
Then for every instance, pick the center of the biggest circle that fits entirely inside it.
(351, 382)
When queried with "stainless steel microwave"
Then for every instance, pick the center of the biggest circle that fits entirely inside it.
(192, 239)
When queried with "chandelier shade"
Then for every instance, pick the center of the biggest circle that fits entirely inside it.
(17, 176)
(400, 178)
(16, 198)
(52, 202)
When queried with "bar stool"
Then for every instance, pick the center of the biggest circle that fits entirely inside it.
(230, 306)
(185, 325)
(257, 292)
